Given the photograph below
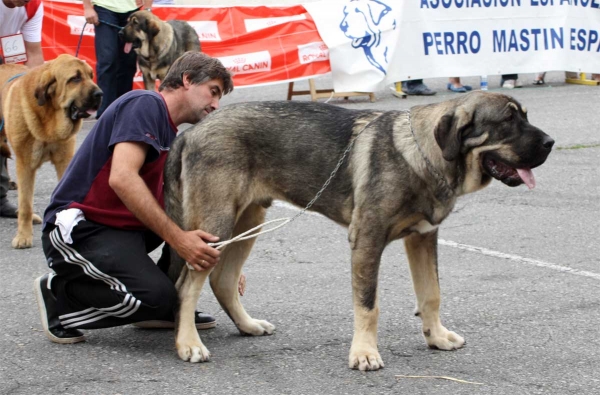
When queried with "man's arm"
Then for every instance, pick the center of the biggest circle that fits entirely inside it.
(35, 56)
(145, 4)
(128, 159)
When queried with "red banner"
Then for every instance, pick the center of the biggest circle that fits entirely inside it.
(259, 45)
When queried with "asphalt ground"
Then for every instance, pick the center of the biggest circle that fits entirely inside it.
(519, 273)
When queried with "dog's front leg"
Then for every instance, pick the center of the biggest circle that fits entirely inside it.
(187, 341)
(62, 156)
(26, 178)
(149, 82)
(365, 269)
(422, 257)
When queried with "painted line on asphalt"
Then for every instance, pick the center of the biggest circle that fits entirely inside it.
(485, 251)
(520, 259)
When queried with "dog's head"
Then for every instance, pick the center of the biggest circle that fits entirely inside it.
(67, 83)
(490, 132)
(141, 27)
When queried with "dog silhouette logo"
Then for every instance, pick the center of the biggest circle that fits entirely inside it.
(364, 21)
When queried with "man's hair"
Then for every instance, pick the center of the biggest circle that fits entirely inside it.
(199, 68)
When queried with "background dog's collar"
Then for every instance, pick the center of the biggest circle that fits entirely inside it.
(445, 192)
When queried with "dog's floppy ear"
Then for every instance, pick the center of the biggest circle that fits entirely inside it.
(45, 88)
(153, 28)
(450, 130)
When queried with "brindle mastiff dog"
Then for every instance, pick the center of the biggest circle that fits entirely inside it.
(43, 109)
(157, 43)
(401, 179)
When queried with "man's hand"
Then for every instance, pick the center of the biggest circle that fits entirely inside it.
(192, 247)
(89, 13)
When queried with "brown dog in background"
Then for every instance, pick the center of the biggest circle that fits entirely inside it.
(43, 109)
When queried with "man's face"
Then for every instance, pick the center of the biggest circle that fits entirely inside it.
(204, 98)
(15, 3)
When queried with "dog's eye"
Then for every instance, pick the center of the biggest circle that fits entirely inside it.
(75, 79)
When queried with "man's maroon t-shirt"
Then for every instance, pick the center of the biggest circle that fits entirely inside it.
(138, 116)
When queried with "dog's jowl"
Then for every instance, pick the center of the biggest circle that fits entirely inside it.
(401, 179)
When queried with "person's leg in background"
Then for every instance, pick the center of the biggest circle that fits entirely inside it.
(416, 88)
(540, 78)
(107, 46)
(127, 62)
(455, 85)
(7, 209)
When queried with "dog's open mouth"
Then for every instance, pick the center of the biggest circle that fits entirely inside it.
(508, 175)
(77, 113)
(129, 46)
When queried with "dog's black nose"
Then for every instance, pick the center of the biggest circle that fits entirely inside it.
(120, 34)
(98, 94)
(548, 142)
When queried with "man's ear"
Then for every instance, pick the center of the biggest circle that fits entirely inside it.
(45, 88)
(450, 130)
(185, 79)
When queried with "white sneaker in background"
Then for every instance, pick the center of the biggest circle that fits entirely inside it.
(511, 84)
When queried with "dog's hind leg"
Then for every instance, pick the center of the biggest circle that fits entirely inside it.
(225, 276)
(421, 250)
(367, 247)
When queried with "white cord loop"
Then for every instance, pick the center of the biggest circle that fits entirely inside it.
(246, 235)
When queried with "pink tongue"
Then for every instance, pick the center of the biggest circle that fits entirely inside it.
(127, 47)
(527, 177)
(91, 111)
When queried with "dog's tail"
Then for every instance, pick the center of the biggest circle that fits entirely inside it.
(174, 198)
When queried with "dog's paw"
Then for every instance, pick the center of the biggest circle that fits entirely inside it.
(20, 242)
(36, 219)
(443, 339)
(365, 358)
(193, 353)
(256, 328)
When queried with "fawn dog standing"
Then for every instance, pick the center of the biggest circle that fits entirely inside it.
(43, 109)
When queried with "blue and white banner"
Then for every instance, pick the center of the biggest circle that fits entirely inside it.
(373, 43)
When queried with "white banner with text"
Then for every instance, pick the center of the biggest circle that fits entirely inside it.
(373, 43)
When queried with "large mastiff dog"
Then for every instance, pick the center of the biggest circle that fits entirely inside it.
(43, 109)
(401, 179)
(157, 43)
